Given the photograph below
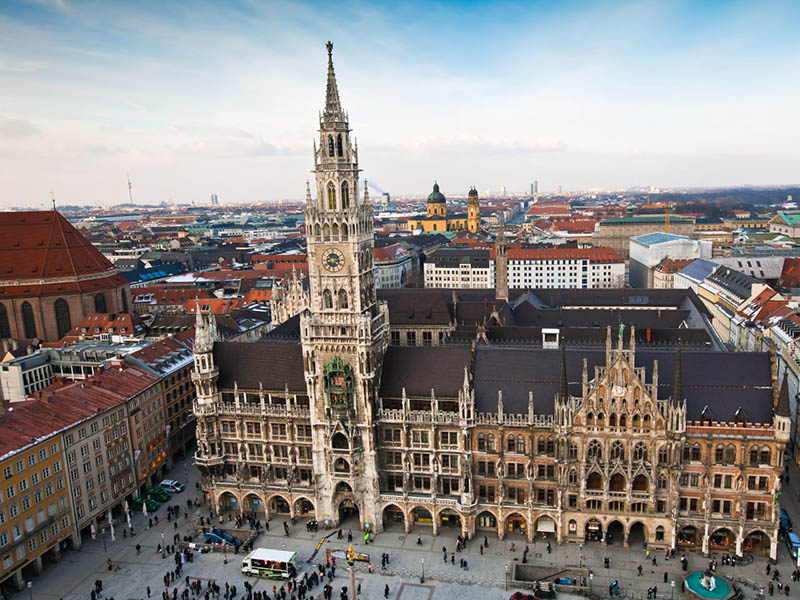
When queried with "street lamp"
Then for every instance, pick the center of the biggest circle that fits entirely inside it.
(163, 547)
(506, 577)
(591, 576)
(422, 570)
(30, 593)
(225, 553)
(672, 583)
(580, 556)
(105, 549)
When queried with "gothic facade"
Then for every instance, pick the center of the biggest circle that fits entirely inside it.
(625, 443)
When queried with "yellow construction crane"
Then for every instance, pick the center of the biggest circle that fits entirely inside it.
(667, 206)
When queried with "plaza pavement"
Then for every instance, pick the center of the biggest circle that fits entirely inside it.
(73, 577)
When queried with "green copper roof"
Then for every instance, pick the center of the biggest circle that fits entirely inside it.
(792, 219)
(436, 197)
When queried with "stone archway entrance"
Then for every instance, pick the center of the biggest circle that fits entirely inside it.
(546, 528)
(450, 519)
(304, 508)
(516, 525)
(615, 534)
(421, 517)
(593, 530)
(393, 518)
(689, 537)
(278, 505)
(254, 505)
(226, 502)
(637, 535)
(723, 539)
(757, 542)
(349, 515)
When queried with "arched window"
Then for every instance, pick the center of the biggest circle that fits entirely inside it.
(600, 419)
(330, 145)
(617, 483)
(594, 450)
(327, 299)
(342, 299)
(612, 420)
(730, 455)
(623, 420)
(636, 421)
(719, 455)
(63, 322)
(481, 442)
(335, 232)
(345, 195)
(662, 455)
(341, 466)
(754, 456)
(573, 477)
(339, 148)
(520, 444)
(123, 294)
(331, 196)
(594, 481)
(339, 442)
(326, 232)
(662, 482)
(589, 419)
(5, 328)
(646, 422)
(640, 453)
(100, 303)
(28, 322)
(766, 456)
(641, 483)
(511, 443)
(617, 451)
(489, 443)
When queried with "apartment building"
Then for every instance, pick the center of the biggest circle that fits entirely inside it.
(36, 523)
(462, 268)
(588, 268)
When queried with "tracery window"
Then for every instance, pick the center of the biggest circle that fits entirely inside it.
(63, 322)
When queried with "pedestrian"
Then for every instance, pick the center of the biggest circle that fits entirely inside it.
(386, 591)
(453, 559)
(148, 591)
(481, 547)
(666, 576)
(640, 570)
(138, 549)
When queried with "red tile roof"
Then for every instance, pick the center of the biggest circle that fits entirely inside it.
(673, 265)
(593, 255)
(790, 277)
(168, 296)
(217, 306)
(22, 422)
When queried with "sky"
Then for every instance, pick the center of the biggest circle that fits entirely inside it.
(191, 98)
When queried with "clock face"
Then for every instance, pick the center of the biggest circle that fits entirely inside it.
(333, 260)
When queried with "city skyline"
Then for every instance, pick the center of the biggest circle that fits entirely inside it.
(202, 99)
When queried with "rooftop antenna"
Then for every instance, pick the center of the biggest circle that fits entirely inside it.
(53, 199)
(130, 189)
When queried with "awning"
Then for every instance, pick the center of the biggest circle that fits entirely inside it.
(546, 525)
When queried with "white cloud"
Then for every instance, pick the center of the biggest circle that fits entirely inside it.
(14, 129)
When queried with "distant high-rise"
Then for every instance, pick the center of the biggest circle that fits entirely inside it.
(214, 200)
(536, 187)
(502, 190)
(532, 189)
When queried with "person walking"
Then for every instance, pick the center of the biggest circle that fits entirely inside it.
(386, 591)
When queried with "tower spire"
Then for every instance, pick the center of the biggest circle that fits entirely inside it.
(677, 384)
(308, 192)
(563, 384)
(333, 108)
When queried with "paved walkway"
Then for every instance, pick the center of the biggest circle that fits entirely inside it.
(73, 577)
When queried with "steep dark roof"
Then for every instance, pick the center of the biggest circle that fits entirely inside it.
(723, 381)
(270, 363)
(735, 282)
(451, 258)
(420, 368)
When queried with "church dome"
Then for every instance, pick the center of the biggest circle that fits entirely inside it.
(473, 193)
(436, 197)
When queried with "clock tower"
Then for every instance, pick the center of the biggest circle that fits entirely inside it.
(345, 331)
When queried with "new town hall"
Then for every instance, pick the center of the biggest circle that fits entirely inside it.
(562, 414)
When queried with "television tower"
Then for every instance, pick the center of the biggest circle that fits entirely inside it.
(130, 189)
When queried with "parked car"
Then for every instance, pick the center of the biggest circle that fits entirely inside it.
(151, 504)
(172, 486)
(158, 494)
